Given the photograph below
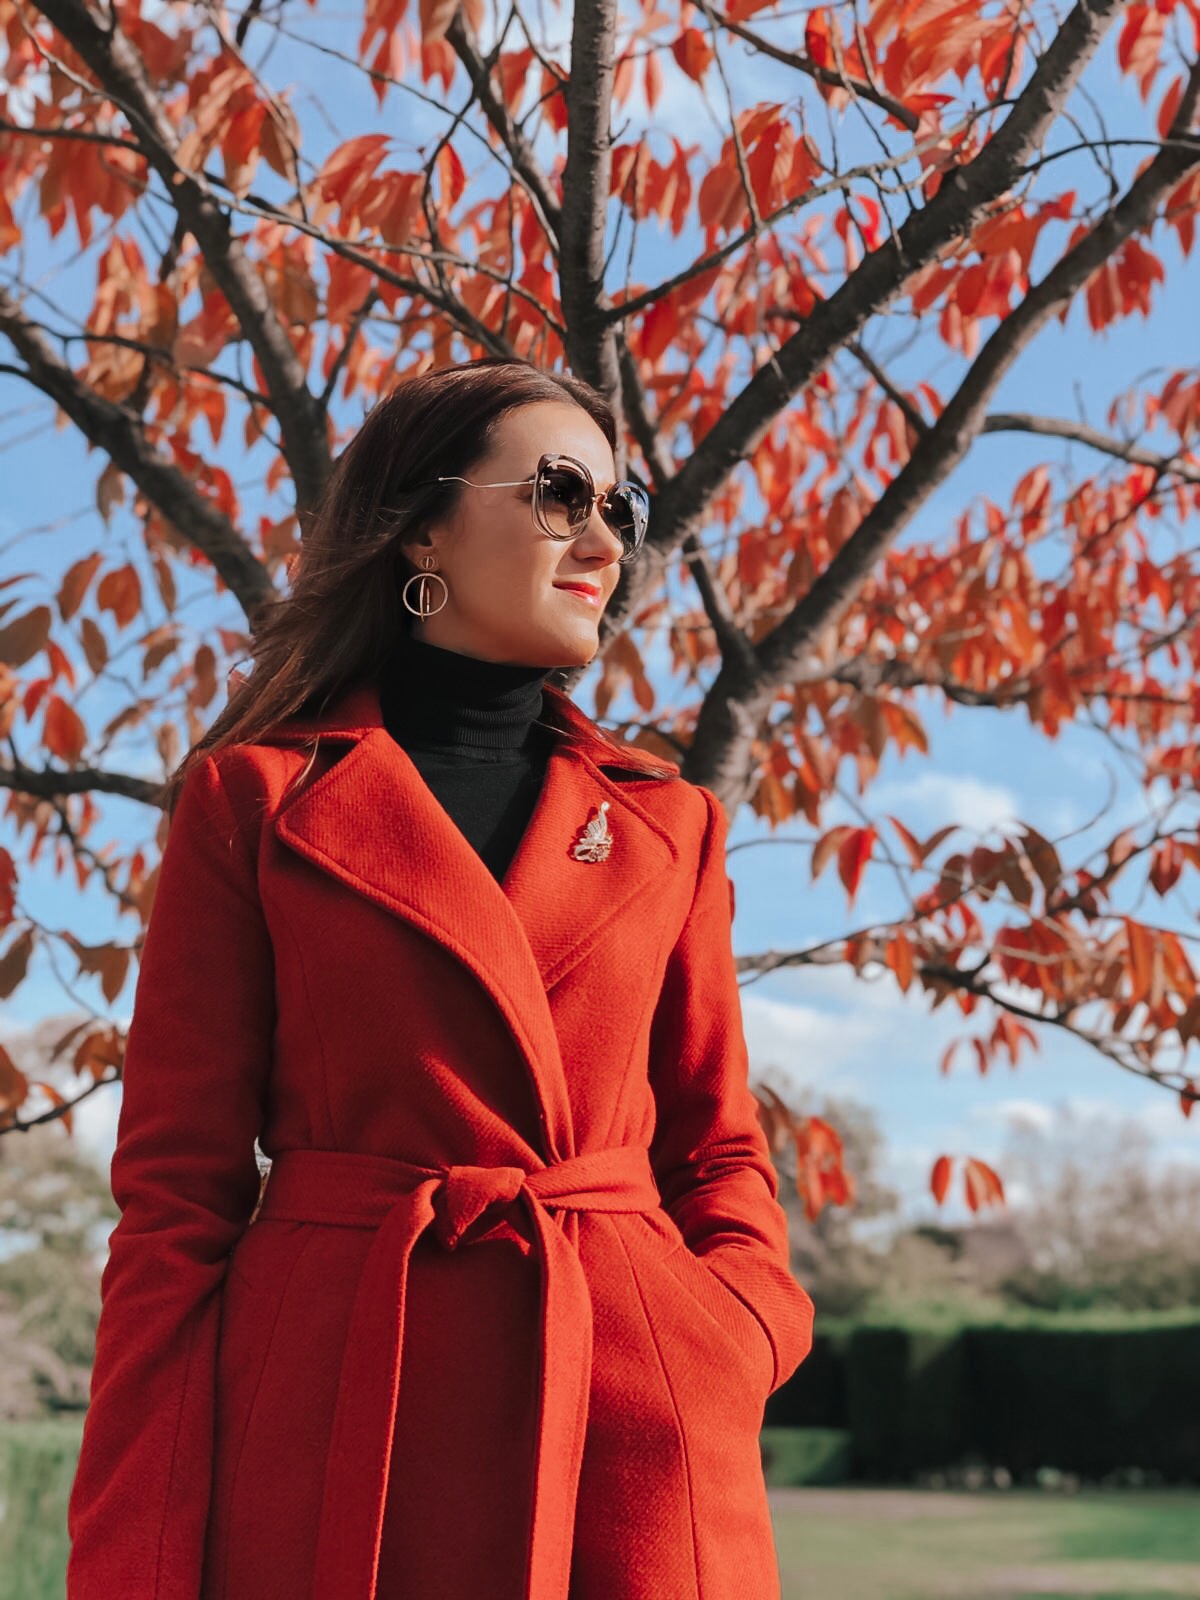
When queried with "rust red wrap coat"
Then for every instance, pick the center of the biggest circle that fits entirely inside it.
(504, 1322)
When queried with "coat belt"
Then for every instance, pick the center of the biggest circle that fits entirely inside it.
(397, 1199)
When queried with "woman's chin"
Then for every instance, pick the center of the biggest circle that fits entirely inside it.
(577, 651)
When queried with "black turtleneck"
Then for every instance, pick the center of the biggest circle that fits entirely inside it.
(468, 726)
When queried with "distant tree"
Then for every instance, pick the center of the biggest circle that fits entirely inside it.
(833, 1253)
(1106, 1223)
(56, 1210)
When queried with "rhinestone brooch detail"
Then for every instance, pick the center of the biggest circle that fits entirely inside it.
(594, 843)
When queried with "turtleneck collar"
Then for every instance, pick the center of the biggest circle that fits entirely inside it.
(431, 696)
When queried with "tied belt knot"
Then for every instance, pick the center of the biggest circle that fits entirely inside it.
(399, 1200)
(465, 1195)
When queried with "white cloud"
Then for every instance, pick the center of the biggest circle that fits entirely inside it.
(806, 1046)
(1024, 1114)
(1085, 1130)
(933, 799)
(1089, 1116)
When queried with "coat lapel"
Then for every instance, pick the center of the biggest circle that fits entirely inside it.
(373, 823)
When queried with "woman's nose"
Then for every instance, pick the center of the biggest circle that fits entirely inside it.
(596, 523)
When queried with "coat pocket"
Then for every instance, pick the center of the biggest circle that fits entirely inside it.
(718, 1363)
(733, 1328)
(729, 1313)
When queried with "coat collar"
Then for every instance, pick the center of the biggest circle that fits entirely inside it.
(372, 822)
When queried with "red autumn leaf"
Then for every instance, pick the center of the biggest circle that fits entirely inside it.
(8, 885)
(1143, 961)
(693, 52)
(827, 845)
(120, 591)
(15, 962)
(821, 1172)
(1166, 864)
(64, 732)
(900, 960)
(853, 854)
(982, 1185)
(55, 1098)
(240, 147)
(74, 586)
(21, 639)
(350, 165)
(14, 1086)
(453, 175)
(915, 854)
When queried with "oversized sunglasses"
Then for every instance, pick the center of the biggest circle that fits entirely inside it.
(564, 493)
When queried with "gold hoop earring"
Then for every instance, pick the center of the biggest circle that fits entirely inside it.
(422, 607)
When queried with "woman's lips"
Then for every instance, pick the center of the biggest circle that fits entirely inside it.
(585, 591)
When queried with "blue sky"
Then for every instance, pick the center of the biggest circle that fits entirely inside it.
(810, 1031)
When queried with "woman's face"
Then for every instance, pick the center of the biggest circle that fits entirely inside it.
(507, 600)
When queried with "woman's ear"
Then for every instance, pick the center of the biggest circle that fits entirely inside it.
(418, 545)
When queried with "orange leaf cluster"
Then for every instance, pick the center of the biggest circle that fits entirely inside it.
(822, 1178)
(981, 1184)
(853, 848)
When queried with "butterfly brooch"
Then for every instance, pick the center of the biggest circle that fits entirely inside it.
(594, 843)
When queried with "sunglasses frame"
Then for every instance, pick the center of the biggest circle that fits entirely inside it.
(555, 458)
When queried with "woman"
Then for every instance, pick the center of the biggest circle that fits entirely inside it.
(503, 1319)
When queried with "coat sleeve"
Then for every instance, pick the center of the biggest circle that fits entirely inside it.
(186, 1181)
(709, 1151)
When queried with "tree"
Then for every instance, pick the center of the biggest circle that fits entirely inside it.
(1105, 1223)
(834, 1256)
(56, 1211)
(898, 211)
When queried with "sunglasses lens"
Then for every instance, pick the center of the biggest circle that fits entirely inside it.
(564, 496)
(564, 499)
(626, 513)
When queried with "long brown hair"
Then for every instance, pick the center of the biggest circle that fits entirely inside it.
(342, 613)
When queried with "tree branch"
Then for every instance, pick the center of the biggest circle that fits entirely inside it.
(945, 442)
(121, 434)
(1060, 428)
(83, 135)
(1028, 422)
(719, 749)
(962, 200)
(525, 162)
(587, 178)
(859, 87)
(109, 55)
(48, 784)
(941, 978)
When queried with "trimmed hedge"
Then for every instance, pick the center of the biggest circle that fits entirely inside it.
(1089, 1399)
(1087, 1403)
(796, 1457)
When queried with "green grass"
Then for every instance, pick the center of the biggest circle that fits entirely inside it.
(37, 1464)
(887, 1544)
(833, 1543)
